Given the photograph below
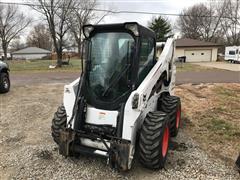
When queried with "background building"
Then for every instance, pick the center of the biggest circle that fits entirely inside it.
(31, 53)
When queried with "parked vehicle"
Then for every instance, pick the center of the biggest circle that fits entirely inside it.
(4, 78)
(123, 99)
(232, 54)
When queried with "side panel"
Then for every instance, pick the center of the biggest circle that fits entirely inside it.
(70, 92)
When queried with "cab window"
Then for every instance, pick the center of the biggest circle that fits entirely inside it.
(146, 61)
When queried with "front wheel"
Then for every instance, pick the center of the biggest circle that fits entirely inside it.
(154, 140)
(4, 82)
(59, 123)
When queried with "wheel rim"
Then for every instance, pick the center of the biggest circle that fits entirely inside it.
(178, 118)
(165, 141)
(5, 83)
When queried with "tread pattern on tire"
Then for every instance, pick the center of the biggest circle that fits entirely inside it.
(2, 76)
(150, 147)
(58, 123)
(169, 105)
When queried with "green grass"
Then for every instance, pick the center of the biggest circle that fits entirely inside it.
(185, 67)
(221, 119)
(42, 66)
(75, 66)
(226, 92)
(221, 128)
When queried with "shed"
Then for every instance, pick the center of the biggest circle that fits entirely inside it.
(196, 51)
(31, 53)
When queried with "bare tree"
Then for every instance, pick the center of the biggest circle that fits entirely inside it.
(231, 23)
(80, 16)
(201, 22)
(40, 37)
(12, 24)
(16, 45)
(56, 13)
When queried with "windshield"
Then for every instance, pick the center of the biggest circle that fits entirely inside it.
(110, 60)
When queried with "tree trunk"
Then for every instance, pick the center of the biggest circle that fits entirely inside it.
(4, 47)
(59, 57)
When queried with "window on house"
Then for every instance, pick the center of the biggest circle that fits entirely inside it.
(202, 53)
(193, 54)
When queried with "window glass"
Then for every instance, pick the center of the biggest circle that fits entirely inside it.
(111, 55)
(193, 54)
(202, 53)
(146, 60)
(232, 52)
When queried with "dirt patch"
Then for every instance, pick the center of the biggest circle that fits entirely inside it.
(212, 114)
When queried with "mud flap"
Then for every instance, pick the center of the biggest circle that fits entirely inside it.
(119, 155)
(66, 138)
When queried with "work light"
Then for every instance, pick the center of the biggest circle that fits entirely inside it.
(132, 27)
(87, 30)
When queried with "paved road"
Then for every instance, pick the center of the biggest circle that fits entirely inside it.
(214, 76)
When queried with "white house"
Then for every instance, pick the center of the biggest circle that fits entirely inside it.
(30, 53)
(196, 51)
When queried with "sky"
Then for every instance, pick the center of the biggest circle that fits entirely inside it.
(159, 6)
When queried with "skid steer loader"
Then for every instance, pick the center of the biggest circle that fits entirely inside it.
(122, 101)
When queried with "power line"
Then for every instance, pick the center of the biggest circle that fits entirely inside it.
(117, 12)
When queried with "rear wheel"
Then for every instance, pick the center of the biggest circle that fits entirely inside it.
(154, 140)
(4, 82)
(58, 123)
(172, 106)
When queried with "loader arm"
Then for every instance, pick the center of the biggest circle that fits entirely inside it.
(131, 115)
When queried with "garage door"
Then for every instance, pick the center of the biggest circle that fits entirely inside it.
(198, 55)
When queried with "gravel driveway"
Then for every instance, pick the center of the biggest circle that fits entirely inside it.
(221, 65)
(27, 149)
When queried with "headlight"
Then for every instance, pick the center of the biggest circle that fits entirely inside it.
(87, 30)
(133, 28)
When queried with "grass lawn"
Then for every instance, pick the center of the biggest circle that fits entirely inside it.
(184, 67)
(75, 65)
(43, 65)
(211, 116)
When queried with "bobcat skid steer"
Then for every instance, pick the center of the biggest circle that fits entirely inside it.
(122, 101)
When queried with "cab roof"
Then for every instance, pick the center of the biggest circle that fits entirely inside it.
(143, 31)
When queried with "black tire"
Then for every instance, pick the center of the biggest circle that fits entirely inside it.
(59, 123)
(4, 82)
(155, 129)
(172, 106)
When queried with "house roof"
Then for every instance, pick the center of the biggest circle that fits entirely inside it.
(32, 50)
(186, 42)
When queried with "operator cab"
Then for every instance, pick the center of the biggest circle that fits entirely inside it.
(118, 58)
